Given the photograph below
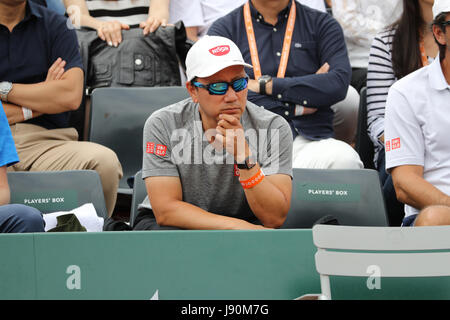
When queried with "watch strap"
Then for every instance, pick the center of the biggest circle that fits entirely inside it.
(262, 86)
(247, 165)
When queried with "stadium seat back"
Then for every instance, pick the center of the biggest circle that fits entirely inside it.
(364, 145)
(117, 121)
(354, 197)
(378, 252)
(51, 191)
(139, 194)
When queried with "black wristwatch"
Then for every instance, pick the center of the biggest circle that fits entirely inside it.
(263, 80)
(248, 163)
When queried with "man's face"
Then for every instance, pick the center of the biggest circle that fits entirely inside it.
(271, 3)
(443, 37)
(447, 32)
(211, 106)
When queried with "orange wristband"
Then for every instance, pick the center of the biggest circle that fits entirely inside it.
(253, 181)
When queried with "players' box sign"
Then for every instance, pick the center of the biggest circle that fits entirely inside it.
(329, 192)
(48, 201)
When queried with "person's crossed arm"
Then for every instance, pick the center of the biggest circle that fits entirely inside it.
(60, 92)
(253, 85)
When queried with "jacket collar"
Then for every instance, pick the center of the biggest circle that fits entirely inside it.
(436, 76)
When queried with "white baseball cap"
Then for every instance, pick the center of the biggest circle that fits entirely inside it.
(211, 54)
(440, 6)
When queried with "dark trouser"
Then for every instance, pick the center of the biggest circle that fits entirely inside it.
(395, 209)
(359, 78)
(145, 220)
(409, 221)
(18, 218)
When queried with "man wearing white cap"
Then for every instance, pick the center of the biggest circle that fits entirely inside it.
(416, 133)
(215, 160)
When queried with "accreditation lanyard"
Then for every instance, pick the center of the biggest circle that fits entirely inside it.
(423, 54)
(286, 42)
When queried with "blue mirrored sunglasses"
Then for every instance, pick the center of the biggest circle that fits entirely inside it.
(220, 88)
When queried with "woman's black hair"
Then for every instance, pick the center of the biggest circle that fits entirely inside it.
(406, 56)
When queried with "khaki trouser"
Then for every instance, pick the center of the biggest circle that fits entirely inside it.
(41, 149)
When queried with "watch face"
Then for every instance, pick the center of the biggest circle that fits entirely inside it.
(5, 87)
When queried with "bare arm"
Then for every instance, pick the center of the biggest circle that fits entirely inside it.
(270, 199)
(50, 97)
(79, 14)
(165, 195)
(4, 187)
(414, 190)
(158, 15)
(192, 33)
(109, 31)
(15, 113)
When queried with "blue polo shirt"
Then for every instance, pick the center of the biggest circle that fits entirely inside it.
(317, 38)
(8, 153)
(40, 2)
(30, 49)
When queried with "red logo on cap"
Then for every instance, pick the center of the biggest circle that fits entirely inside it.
(220, 50)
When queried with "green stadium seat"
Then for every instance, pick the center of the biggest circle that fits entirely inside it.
(51, 191)
(139, 194)
(117, 121)
(380, 252)
(353, 196)
(364, 146)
